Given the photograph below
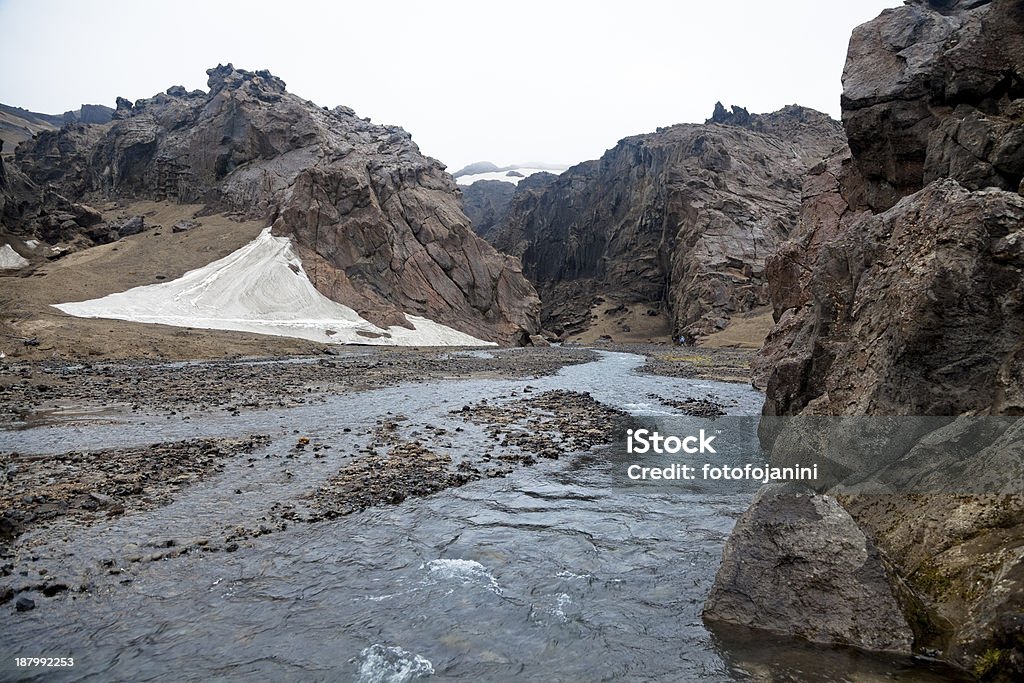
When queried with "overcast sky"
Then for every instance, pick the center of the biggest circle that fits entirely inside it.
(513, 81)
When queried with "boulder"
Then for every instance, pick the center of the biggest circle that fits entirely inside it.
(86, 216)
(798, 564)
(132, 226)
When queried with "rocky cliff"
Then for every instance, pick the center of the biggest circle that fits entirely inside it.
(485, 203)
(901, 294)
(679, 221)
(913, 240)
(378, 226)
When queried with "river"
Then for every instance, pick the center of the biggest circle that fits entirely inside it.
(554, 573)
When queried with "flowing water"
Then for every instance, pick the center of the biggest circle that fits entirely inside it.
(553, 573)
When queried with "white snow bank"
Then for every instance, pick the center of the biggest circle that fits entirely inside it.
(10, 259)
(502, 175)
(260, 288)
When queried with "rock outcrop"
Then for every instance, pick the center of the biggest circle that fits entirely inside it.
(916, 310)
(901, 294)
(901, 247)
(680, 220)
(485, 203)
(932, 90)
(378, 226)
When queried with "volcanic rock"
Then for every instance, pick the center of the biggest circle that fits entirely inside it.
(378, 226)
(485, 203)
(795, 554)
(900, 294)
(933, 89)
(682, 218)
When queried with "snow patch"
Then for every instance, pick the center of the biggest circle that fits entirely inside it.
(260, 288)
(10, 259)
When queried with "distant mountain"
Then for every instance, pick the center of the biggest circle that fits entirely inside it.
(487, 167)
(513, 173)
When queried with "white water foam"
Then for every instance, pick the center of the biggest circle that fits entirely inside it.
(467, 572)
(260, 288)
(551, 607)
(383, 664)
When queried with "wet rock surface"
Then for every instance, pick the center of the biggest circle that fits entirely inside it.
(408, 470)
(694, 407)
(90, 485)
(547, 425)
(519, 432)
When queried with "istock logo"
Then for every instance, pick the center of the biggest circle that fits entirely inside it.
(644, 441)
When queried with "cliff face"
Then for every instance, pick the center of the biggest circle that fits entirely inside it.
(933, 90)
(378, 226)
(901, 294)
(485, 203)
(901, 290)
(679, 220)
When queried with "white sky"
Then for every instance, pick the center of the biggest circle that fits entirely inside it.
(514, 81)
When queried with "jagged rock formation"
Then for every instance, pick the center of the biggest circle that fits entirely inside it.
(485, 203)
(911, 244)
(680, 220)
(378, 225)
(933, 90)
(901, 294)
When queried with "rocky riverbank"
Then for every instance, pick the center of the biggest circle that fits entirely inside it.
(37, 392)
(51, 499)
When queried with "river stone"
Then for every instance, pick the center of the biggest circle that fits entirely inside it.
(797, 564)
